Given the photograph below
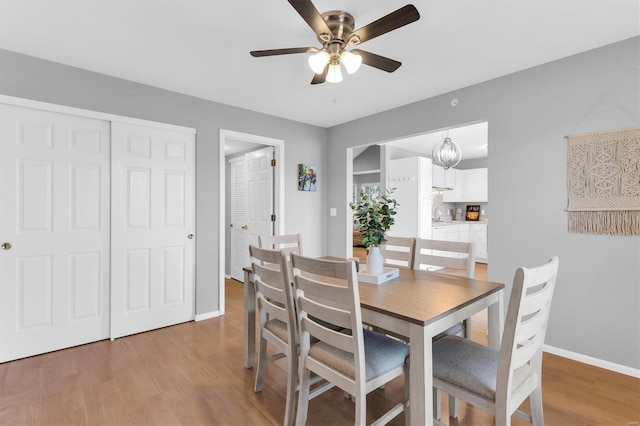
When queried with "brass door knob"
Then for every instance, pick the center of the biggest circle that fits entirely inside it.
(190, 236)
(6, 246)
(245, 227)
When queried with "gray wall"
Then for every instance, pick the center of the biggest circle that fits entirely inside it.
(32, 78)
(595, 308)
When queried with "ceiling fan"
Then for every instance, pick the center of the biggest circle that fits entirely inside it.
(335, 32)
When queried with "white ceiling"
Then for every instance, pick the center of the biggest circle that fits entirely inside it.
(201, 47)
(472, 139)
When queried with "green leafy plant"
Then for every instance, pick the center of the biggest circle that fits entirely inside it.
(374, 216)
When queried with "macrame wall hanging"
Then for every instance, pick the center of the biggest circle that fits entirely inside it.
(603, 182)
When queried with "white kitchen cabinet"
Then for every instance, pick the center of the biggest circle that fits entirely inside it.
(478, 234)
(465, 232)
(471, 185)
(476, 185)
(411, 177)
(443, 179)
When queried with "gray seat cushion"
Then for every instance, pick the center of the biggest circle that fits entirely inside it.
(382, 354)
(279, 328)
(470, 365)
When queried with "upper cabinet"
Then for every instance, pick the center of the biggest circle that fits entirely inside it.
(443, 179)
(471, 185)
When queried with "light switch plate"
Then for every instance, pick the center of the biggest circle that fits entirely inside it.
(333, 211)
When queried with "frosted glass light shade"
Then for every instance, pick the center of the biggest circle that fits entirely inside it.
(318, 61)
(351, 61)
(334, 75)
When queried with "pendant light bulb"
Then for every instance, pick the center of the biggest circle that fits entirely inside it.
(351, 61)
(334, 75)
(319, 61)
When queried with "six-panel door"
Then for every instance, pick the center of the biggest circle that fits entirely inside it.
(54, 223)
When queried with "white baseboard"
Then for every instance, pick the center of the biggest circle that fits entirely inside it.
(228, 277)
(596, 362)
(208, 315)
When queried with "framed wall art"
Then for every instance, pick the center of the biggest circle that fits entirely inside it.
(307, 176)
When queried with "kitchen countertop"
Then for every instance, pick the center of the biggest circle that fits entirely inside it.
(454, 222)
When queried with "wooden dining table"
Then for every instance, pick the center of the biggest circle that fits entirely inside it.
(417, 305)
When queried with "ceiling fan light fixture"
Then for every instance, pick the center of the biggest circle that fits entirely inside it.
(334, 74)
(319, 61)
(351, 61)
(446, 154)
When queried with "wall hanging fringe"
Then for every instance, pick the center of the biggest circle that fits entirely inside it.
(603, 182)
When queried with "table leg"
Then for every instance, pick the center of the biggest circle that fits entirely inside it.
(249, 320)
(421, 372)
(495, 321)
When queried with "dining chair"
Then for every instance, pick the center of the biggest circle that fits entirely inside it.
(500, 380)
(276, 319)
(445, 254)
(277, 322)
(398, 252)
(356, 360)
(287, 243)
(451, 255)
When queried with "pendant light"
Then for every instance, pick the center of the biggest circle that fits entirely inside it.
(446, 154)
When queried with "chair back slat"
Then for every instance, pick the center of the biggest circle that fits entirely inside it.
(526, 322)
(320, 309)
(399, 252)
(446, 254)
(289, 243)
(330, 336)
(337, 295)
(526, 351)
(537, 300)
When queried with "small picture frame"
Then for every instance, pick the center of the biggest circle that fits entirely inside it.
(306, 177)
(473, 213)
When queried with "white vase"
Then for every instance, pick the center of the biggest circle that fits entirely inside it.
(375, 261)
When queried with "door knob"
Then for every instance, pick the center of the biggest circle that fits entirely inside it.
(6, 246)
(245, 227)
(190, 236)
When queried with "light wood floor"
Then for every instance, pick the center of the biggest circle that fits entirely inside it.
(193, 374)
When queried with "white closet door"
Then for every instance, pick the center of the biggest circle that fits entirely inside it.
(259, 195)
(251, 205)
(238, 220)
(54, 223)
(153, 222)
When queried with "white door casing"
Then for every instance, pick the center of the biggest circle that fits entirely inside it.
(54, 280)
(153, 227)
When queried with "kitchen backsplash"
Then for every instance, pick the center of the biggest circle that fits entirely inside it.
(447, 210)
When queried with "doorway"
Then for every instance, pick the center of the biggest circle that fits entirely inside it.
(370, 161)
(231, 141)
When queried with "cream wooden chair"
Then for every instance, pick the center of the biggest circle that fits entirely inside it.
(290, 243)
(326, 292)
(447, 254)
(399, 252)
(499, 381)
(276, 318)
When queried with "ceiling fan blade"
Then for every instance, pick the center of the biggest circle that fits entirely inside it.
(320, 78)
(310, 14)
(401, 17)
(377, 61)
(273, 52)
